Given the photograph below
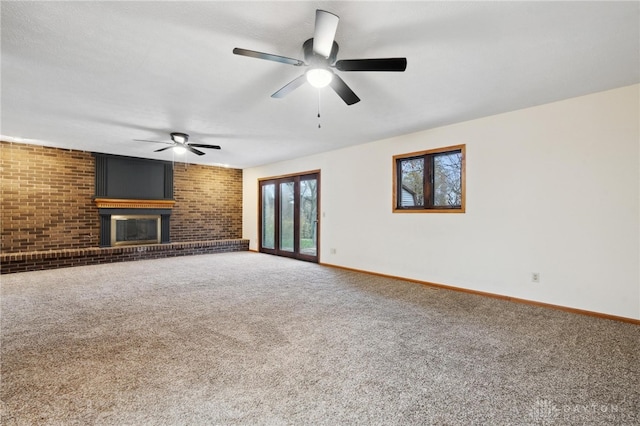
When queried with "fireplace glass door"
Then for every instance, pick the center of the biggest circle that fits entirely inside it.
(135, 229)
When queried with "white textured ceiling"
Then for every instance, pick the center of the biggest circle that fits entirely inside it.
(96, 75)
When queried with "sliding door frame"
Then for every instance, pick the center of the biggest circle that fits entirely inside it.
(294, 178)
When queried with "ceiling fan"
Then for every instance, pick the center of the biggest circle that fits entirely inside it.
(180, 144)
(320, 53)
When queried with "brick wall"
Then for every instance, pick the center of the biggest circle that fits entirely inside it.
(208, 203)
(46, 199)
(24, 262)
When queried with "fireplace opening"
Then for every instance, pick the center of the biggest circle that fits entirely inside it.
(135, 229)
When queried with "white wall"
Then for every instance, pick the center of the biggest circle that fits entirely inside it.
(553, 189)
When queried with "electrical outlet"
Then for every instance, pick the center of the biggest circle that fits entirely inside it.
(535, 277)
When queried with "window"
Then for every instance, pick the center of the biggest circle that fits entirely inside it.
(429, 181)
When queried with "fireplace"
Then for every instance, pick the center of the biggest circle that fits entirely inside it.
(139, 189)
(135, 229)
(134, 222)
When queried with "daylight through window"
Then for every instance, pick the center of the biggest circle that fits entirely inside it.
(430, 181)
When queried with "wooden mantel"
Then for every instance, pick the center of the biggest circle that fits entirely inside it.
(121, 203)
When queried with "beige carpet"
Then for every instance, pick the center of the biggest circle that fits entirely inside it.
(246, 338)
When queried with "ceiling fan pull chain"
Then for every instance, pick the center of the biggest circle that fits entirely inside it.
(319, 109)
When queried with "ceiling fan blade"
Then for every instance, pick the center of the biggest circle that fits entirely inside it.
(290, 87)
(325, 32)
(144, 140)
(195, 151)
(199, 145)
(267, 56)
(381, 64)
(341, 88)
(163, 149)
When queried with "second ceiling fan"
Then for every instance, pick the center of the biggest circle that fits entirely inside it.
(320, 53)
(180, 144)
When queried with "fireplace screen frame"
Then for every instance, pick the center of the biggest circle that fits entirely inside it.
(114, 229)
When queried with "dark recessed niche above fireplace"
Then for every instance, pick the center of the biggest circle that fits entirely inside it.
(137, 189)
(133, 178)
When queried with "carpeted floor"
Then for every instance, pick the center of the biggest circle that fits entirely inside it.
(247, 338)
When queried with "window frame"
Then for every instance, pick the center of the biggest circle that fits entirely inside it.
(428, 156)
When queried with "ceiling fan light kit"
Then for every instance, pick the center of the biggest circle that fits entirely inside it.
(319, 77)
(320, 53)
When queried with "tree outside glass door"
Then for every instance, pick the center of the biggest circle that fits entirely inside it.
(308, 205)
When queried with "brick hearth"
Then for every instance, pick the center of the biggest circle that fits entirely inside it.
(53, 259)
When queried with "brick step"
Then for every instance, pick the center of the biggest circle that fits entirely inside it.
(53, 259)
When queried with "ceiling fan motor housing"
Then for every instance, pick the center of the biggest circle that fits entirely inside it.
(316, 60)
(179, 137)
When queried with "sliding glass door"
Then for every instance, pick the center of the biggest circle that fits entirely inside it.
(289, 216)
(268, 216)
